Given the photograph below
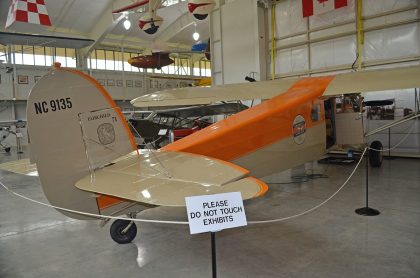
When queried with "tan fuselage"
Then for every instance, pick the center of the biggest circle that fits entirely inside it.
(278, 134)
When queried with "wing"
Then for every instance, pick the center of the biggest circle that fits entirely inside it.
(130, 7)
(346, 83)
(166, 178)
(17, 123)
(374, 80)
(207, 95)
(21, 166)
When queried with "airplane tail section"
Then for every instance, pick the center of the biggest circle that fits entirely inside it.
(74, 127)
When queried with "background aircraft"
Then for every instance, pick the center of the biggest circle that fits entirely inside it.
(151, 22)
(6, 130)
(164, 126)
(156, 60)
(159, 59)
(92, 165)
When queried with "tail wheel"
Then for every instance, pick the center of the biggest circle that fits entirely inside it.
(123, 231)
(375, 154)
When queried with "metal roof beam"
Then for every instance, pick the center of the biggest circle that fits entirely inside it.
(106, 23)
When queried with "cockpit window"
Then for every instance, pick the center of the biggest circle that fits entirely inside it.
(316, 112)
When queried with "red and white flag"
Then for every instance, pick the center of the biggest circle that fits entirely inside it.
(28, 11)
(311, 7)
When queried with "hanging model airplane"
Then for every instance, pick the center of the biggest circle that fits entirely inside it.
(92, 164)
(151, 22)
(156, 60)
(159, 59)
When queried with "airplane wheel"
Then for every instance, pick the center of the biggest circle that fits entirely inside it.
(7, 149)
(117, 231)
(375, 157)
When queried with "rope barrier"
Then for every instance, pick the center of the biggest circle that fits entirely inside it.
(183, 222)
(399, 143)
(317, 206)
(94, 215)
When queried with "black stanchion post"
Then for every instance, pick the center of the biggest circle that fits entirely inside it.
(367, 211)
(213, 254)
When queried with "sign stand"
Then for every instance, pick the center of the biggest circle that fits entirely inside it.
(213, 255)
(367, 211)
(215, 212)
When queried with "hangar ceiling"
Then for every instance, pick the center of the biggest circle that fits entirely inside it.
(90, 20)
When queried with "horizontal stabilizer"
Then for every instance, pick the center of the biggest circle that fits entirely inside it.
(166, 178)
(21, 166)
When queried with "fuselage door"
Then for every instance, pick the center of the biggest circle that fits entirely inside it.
(348, 120)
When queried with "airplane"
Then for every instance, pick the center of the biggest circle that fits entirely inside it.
(5, 131)
(200, 46)
(203, 48)
(159, 59)
(154, 126)
(156, 60)
(151, 22)
(205, 81)
(92, 165)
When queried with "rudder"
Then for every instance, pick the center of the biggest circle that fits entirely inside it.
(74, 126)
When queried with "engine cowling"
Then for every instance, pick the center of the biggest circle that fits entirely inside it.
(200, 8)
(150, 24)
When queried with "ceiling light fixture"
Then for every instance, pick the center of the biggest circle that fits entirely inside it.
(196, 35)
(127, 23)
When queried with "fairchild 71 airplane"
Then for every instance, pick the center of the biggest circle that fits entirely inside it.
(92, 164)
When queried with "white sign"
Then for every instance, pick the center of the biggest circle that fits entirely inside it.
(210, 213)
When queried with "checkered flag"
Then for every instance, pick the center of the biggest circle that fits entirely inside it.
(28, 11)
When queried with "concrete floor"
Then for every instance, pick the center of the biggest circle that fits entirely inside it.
(333, 241)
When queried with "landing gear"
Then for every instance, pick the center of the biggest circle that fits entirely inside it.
(123, 231)
(375, 154)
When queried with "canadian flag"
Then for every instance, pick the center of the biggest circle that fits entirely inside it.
(311, 7)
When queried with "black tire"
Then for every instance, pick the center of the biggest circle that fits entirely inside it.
(117, 228)
(375, 154)
(7, 149)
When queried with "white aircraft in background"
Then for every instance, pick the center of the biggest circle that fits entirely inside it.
(6, 130)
